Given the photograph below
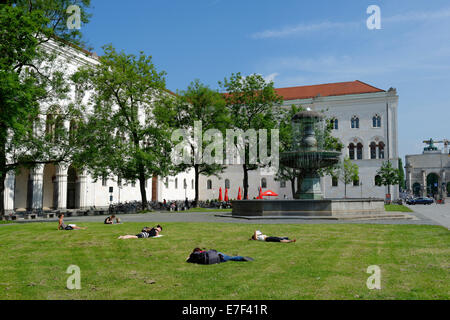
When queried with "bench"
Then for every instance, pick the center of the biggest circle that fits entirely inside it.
(49, 215)
(31, 216)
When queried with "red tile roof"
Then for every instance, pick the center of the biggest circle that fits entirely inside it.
(326, 90)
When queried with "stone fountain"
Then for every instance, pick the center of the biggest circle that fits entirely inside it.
(309, 155)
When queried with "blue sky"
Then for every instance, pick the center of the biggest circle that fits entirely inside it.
(295, 43)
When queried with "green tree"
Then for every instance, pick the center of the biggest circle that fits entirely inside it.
(197, 106)
(347, 172)
(121, 136)
(30, 77)
(251, 102)
(388, 175)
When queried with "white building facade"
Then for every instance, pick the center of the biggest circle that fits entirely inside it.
(365, 122)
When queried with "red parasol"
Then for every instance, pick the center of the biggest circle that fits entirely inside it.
(269, 193)
(220, 194)
(260, 194)
(239, 197)
(226, 195)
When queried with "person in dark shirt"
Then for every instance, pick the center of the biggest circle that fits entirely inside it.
(145, 233)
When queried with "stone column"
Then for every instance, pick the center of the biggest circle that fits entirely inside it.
(8, 195)
(82, 180)
(61, 185)
(424, 184)
(37, 177)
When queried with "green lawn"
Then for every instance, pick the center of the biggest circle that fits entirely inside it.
(397, 207)
(328, 261)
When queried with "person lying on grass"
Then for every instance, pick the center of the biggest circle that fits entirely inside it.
(262, 237)
(110, 220)
(63, 226)
(145, 233)
(212, 257)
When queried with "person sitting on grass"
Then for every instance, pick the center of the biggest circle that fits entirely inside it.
(145, 233)
(212, 257)
(63, 226)
(262, 237)
(110, 220)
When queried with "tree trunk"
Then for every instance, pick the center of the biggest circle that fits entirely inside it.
(345, 190)
(293, 187)
(197, 175)
(142, 186)
(3, 173)
(245, 181)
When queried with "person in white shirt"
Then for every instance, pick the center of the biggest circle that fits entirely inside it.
(258, 235)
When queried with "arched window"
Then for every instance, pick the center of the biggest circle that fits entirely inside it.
(334, 181)
(359, 151)
(166, 183)
(227, 184)
(355, 122)
(377, 180)
(209, 184)
(351, 151)
(376, 121)
(263, 183)
(381, 150)
(282, 184)
(373, 150)
(192, 184)
(176, 183)
(184, 184)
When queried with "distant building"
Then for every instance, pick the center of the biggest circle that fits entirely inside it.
(428, 174)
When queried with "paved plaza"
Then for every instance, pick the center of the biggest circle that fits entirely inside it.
(423, 215)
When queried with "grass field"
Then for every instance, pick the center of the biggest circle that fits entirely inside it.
(328, 261)
(397, 207)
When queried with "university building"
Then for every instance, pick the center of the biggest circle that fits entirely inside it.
(364, 119)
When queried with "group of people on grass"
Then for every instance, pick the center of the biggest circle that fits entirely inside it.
(198, 255)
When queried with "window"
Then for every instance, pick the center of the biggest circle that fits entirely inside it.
(355, 122)
(166, 183)
(282, 184)
(373, 150)
(351, 151)
(376, 121)
(133, 183)
(209, 184)
(192, 184)
(176, 183)
(184, 184)
(227, 184)
(104, 180)
(334, 181)
(334, 124)
(356, 181)
(377, 180)
(263, 183)
(381, 150)
(119, 181)
(359, 151)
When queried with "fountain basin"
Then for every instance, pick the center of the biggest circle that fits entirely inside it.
(307, 207)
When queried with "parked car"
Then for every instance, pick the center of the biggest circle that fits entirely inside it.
(422, 200)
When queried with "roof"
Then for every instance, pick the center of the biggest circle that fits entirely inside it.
(326, 90)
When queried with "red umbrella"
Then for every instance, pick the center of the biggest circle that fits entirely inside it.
(269, 193)
(226, 194)
(220, 194)
(239, 197)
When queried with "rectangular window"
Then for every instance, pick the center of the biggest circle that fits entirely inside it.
(104, 180)
(334, 181)
(282, 184)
